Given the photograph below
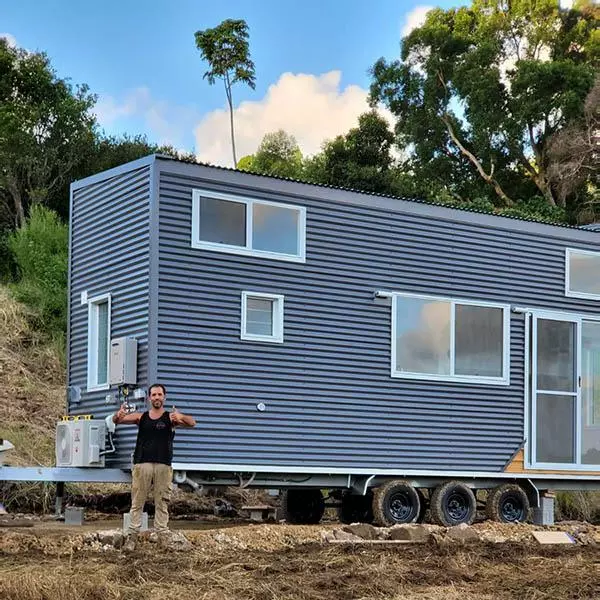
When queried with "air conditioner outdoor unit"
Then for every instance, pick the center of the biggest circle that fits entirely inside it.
(80, 443)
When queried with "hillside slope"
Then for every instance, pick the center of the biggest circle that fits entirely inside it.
(32, 387)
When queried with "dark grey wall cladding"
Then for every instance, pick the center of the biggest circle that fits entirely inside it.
(109, 254)
(330, 400)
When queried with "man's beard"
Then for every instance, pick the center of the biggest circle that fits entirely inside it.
(156, 403)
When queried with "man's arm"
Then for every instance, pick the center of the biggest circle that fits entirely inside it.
(123, 417)
(178, 418)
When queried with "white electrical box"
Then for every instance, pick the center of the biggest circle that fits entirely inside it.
(80, 443)
(123, 361)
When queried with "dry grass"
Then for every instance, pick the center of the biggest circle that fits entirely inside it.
(32, 387)
(305, 572)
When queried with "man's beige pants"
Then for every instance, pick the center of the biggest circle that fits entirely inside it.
(143, 476)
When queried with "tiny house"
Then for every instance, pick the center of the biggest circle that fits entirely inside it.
(337, 338)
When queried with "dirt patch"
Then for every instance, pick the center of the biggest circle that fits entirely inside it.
(277, 562)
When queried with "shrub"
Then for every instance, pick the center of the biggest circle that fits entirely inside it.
(578, 506)
(40, 251)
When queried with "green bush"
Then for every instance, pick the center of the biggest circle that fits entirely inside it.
(578, 506)
(40, 251)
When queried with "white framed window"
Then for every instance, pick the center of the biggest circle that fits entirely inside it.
(99, 313)
(448, 339)
(582, 274)
(262, 317)
(241, 225)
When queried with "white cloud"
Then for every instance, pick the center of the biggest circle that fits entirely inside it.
(163, 123)
(312, 108)
(10, 39)
(415, 18)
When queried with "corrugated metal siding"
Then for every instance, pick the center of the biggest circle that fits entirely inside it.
(330, 399)
(110, 254)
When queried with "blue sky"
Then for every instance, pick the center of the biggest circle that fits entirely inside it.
(312, 60)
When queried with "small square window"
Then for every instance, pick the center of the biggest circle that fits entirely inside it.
(582, 274)
(262, 317)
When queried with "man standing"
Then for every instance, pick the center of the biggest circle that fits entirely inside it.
(152, 459)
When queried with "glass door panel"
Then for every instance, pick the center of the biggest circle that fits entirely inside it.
(590, 391)
(556, 426)
(555, 390)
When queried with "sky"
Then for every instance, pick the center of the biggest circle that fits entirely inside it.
(312, 61)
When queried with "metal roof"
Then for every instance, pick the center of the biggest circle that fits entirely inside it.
(592, 227)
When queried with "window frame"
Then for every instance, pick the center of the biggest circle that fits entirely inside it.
(568, 292)
(247, 250)
(92, 358)
(276, 315)
(476, 379)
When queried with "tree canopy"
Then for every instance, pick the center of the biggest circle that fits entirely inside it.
(361, 159)
(479, 92)
(46, 129)
(278, 154)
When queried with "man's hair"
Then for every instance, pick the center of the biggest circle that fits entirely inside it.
(160, 385)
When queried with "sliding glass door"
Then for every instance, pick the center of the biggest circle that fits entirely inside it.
(590, 393)
(565, 392)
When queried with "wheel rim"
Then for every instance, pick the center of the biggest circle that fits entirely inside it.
(512, 509)
(401, 507)
(457, 507)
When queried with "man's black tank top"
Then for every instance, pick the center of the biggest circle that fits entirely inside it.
(155, 440)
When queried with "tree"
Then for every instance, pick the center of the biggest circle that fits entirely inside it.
(361, 159)
(575, 152)
(278, 154)
(46, 130)
(482, 89)
(227, 51)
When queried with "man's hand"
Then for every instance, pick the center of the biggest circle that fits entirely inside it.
(124, 416)
(118, 417)
(178, 418)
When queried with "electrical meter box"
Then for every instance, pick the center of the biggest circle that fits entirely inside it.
(123, 361)
(80, 443)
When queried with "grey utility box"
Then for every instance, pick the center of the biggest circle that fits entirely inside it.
(123, 361)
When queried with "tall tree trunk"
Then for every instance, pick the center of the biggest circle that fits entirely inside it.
(15, 194)
(230, 102)
(488, 178)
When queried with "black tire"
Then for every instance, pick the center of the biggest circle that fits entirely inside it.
(507, 503)
(356, 509)
(302, 506)
(396, 502)
(453, 503)
(424, 505)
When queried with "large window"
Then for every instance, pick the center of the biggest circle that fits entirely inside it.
(582, 271)
(98, 342)
(450, 340)
(248, 226)
(262, 317)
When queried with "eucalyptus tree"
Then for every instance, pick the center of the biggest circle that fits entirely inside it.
(227, 51)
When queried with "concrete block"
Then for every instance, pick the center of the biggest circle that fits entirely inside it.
(127, 521)
(74, 515)
(544, 514)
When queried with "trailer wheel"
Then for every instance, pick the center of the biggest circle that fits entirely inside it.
(396, 502)
(424, 505)
(302, 506)
(356, 509)
(507, 503)
(453, 503)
